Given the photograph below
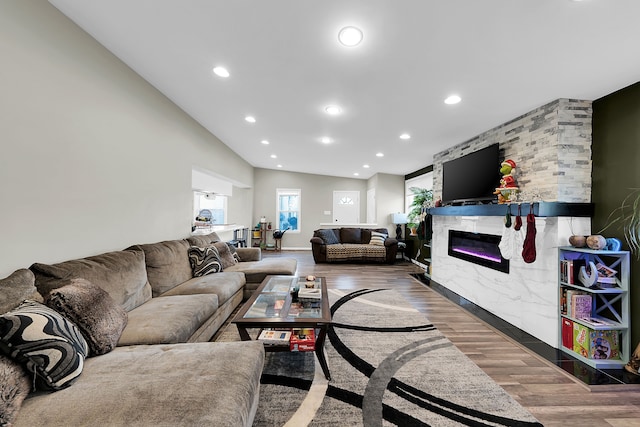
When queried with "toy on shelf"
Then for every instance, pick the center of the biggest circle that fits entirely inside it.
(508, 186)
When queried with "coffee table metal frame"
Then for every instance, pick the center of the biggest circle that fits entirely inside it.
(284, 321)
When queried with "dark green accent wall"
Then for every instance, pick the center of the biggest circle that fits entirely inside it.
(616, 169)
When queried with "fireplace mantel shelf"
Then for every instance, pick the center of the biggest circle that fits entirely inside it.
(540, 209)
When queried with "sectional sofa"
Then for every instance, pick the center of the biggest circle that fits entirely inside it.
(136, 325)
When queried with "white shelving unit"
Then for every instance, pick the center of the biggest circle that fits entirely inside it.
(610, 303)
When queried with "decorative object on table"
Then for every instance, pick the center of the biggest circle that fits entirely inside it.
(596, 242)
(277, 234)
(613, 244)
(204, 215)
(578, 241)
(311, 278)
(529, 246)
(508, 187)
(399, 219)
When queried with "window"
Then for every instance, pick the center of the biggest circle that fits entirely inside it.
(213, 203)
(422, 181)
(288, 209)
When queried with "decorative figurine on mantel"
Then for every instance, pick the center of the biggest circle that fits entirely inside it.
(508, 186)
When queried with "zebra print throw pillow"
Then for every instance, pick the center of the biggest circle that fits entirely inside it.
(377, 238)
(204, 260)
(45, 342)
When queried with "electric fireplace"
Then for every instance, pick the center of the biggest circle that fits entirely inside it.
(481, 249)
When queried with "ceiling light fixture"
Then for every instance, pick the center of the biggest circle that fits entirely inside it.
(356, 174)
(279, 166)
(273, 156)
(379, 155)
(365, 166)
(250, 119)
(221, 72)
(350, 36)
(333, 110)
(452, 99)
(405, 136)
(326, 140)
(265, 142)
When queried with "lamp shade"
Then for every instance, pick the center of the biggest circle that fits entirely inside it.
(399, 218)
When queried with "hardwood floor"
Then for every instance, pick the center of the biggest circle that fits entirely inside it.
(554, 397)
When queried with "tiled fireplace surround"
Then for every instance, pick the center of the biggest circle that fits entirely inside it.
(552, 148)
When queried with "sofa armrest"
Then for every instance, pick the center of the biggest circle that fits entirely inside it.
(317, 240)
(390, 241)
(249, 254)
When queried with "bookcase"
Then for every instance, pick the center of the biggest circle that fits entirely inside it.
(594, 319)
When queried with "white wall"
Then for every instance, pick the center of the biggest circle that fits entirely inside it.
(92, 157)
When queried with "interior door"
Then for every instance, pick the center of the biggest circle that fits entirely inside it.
(346, 207)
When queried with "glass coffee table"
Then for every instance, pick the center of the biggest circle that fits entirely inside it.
(276, 305)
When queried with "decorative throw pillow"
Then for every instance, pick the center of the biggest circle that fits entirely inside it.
(328, 236)
(234, 252)
(204, 260)
(377, 238)
(14, 387)
(225, 254)
(44, 342)
(17, 287)
(93, 311)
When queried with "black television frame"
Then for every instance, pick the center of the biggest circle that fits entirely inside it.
(489, 160)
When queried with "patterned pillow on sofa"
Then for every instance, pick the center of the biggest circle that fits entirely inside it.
(45, 342)
(377, 238)
(204, 260)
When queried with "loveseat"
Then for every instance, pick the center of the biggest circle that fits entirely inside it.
(146, 359)
(352, 244)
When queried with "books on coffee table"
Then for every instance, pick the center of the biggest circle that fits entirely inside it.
(269, 336)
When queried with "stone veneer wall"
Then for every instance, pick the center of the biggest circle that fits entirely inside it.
(551, 146)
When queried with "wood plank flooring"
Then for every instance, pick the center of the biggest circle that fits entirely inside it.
(551, 395)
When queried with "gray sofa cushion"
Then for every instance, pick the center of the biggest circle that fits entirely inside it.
(17, 287)
(91, 309)
(224, 285)
(168, 320)
(167, 264)
(256, 271)
(203, 240)
(198, 384)
(122, 274)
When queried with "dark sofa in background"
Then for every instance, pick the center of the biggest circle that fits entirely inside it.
(352, 244)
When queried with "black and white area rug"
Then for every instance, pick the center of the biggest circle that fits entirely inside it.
(389, 366)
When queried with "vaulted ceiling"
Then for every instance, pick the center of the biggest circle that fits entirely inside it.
(502, 57)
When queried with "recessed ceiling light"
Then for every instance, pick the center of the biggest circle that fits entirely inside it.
(279, 166)
(356, 174)
(250, 119)
(333, 110)
(405, 136)
(326, 140)
(379, 155)
(273, 156)
(365, 166)
(350, 36)
(221, 72)
(265, 142)
(453, 99)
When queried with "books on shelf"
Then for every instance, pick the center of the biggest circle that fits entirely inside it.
(581, 306)
(269, 336)
(606, 275)
(570, 270)
(596, 344)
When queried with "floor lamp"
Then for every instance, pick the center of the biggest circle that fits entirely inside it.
(399, 219)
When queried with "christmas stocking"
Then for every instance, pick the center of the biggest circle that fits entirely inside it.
(507, 240)
(518, 224)
(529, 247)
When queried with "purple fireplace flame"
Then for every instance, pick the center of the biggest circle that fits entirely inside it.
(481, 249)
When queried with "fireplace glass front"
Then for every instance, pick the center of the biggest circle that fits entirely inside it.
(478, 248)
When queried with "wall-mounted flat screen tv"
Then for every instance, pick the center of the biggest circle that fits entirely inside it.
(472, 178)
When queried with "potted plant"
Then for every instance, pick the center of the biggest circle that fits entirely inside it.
(422, 199)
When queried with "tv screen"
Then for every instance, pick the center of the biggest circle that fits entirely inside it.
(471, 178)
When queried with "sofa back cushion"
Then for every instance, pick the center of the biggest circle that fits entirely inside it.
(17, 287)
(167, 264)
(203, 241)
(351, 235)
(328, 236)
(122, 274)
